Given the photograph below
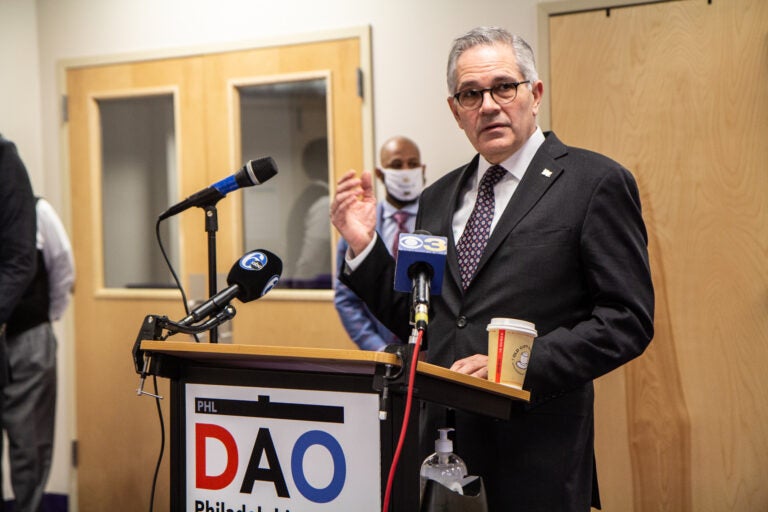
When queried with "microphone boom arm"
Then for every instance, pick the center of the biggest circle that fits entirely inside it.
(152, 329)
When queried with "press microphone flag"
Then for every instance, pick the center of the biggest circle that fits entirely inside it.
(420, 250)
(250, 278)
(419, 269)
(255, 172)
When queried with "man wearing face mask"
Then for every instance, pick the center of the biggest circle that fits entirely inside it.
(402, 174)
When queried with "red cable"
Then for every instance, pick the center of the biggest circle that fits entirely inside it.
(406, 416)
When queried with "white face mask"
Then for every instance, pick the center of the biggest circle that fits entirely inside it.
(404, 184)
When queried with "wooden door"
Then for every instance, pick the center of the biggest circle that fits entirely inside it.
(119, 433)
(676, 92)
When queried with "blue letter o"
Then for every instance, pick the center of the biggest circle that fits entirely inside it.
(332, 491)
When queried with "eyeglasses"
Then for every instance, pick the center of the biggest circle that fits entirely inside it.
(502, 94)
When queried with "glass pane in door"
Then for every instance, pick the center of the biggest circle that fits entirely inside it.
(138, 169)
(288, 215)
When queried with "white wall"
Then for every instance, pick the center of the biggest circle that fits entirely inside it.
(410, 41)
(21, 122)
(20, 109)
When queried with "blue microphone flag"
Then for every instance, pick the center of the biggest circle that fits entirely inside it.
(415, 250)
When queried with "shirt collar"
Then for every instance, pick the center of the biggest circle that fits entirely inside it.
(520, 159)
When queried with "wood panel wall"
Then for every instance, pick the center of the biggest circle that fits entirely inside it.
(677, 93)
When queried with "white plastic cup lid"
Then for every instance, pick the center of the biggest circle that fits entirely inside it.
(513, 324)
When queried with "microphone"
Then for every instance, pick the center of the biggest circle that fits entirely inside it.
(419, 270)
(250, 278)
(255, 172)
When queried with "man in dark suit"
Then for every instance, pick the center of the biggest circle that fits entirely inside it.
(17, 248)
(566, 249)
(17, 238)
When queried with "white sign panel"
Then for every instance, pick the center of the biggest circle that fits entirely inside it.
(253, 449)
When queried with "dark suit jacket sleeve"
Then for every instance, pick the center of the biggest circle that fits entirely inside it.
(616, 273)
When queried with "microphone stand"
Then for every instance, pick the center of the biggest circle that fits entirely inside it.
(211, 226)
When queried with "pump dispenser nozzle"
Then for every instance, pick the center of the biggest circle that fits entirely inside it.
(442, 443)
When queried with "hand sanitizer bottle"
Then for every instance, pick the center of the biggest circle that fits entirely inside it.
(443, 466)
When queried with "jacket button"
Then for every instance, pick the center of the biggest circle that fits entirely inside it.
(461, 322)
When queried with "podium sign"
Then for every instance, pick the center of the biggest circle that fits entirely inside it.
(293, 429)
(281, 449)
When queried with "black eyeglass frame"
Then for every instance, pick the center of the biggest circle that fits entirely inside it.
(482, 92)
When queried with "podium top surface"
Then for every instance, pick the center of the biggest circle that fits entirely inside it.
(316, 359)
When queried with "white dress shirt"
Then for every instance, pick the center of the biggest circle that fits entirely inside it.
(52, 239)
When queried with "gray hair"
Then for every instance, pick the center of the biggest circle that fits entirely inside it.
(490, 36)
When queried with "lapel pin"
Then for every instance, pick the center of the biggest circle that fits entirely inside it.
(547, 173)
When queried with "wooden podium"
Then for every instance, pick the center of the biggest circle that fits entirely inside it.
(241, 413)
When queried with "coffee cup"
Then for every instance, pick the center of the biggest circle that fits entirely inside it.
(510, 342)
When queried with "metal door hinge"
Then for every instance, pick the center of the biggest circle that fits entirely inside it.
(64, 109)
(360, 89)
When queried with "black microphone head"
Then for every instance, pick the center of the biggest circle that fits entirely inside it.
(256, 273)
(257, 171)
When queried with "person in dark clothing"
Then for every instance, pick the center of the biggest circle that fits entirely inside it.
(18, 255)
(18, 227)
(29, 397)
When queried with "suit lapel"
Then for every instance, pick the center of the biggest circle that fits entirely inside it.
(541, 173)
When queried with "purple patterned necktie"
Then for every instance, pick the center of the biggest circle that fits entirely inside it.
(401, 218)
(475, 236)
